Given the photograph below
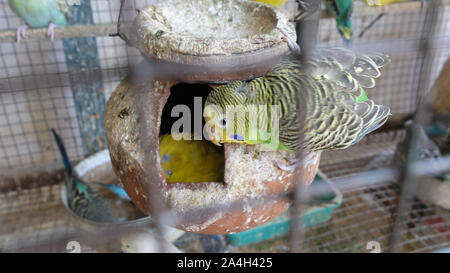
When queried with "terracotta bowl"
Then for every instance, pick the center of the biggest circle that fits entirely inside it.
(235, 39)
(209, 207)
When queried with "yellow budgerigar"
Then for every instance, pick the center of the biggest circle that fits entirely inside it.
(275, 3)
(190, 160)
(305, 10)
(382, 2)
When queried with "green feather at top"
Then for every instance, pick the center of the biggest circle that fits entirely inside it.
(40, 13)
(342, 11)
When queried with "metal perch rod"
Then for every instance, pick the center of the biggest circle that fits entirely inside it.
(95, 30)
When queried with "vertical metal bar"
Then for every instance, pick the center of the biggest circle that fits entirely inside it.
(307, 38)
(408, 179)
(156, 201)
(82, 59)
(307, 31)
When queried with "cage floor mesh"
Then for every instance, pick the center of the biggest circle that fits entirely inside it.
(35, 220)
(367, 215)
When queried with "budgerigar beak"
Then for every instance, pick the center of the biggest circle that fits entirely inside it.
(217, 142)
(212, 136)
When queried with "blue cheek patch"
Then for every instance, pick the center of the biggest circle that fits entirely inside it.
(237, 137)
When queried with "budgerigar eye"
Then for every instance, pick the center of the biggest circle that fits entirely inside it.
(223, 122)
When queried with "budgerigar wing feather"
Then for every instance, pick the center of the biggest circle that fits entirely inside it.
(89, 204)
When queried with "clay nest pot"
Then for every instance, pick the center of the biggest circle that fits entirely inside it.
(217, 207)
(207, 41)
(235, 39)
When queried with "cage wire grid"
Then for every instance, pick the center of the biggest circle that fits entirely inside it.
(36, 95)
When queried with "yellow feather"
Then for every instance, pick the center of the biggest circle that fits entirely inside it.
(275, 3)
(381, 2)
(190, 160)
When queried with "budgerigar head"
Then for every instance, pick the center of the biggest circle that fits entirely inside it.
(223, 124)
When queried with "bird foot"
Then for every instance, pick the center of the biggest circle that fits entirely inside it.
(291, 43)
(21, 32)
(51, 31)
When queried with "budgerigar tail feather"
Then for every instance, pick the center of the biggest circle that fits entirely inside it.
(116, 189)
(62, 150)
(348, 43)
(377, 117)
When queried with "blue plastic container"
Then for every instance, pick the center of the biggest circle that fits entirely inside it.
(314, 214)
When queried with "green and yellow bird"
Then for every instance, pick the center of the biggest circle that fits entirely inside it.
(342, 11)
(190, 160)
(315, 105)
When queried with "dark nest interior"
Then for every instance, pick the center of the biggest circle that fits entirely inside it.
(188, 95)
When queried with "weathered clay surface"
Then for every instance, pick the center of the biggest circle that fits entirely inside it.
(212, 36)
(209, 207)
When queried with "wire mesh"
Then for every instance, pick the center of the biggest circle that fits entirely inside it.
(368, 214)
(36, 95)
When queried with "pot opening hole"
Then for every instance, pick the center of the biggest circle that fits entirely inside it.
(188, 159)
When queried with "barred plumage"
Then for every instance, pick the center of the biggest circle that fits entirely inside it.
(82, 199)
(322, 99)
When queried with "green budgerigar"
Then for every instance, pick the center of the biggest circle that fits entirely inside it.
(40, 13)
(321, 104)
(82, 199)
(342, 11)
